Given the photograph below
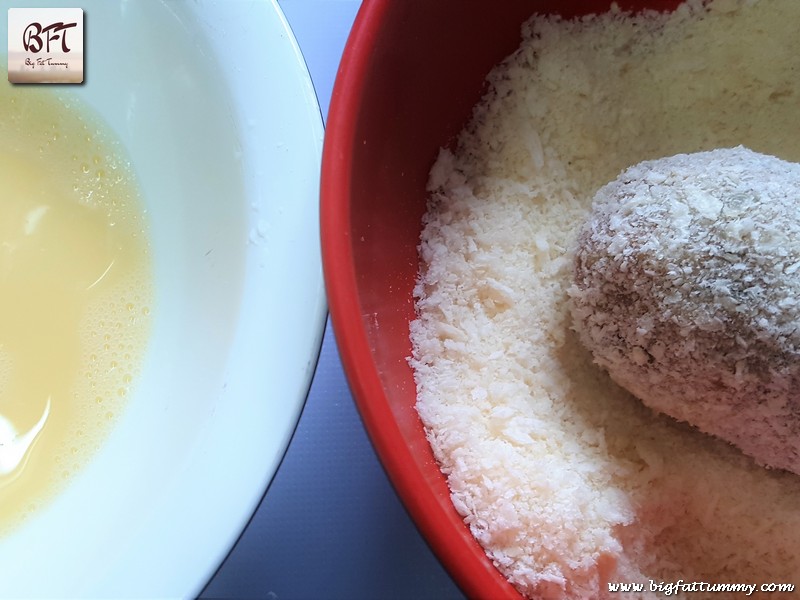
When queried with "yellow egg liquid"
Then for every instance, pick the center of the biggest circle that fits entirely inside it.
(75, 291)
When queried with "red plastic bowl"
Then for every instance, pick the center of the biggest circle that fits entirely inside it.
(410, 74)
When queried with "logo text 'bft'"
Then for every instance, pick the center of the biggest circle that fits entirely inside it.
(32, 36)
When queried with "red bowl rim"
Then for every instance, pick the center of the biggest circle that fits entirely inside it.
(444, 530)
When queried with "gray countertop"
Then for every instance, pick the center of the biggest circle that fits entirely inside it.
(330, 525)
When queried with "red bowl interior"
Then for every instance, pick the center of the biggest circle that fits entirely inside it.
(409, 77)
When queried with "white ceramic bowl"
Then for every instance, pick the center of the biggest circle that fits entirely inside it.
(215, 106)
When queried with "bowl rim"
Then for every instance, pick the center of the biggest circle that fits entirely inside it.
(444, 530)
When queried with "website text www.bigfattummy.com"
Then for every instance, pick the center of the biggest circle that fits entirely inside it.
(669, 588)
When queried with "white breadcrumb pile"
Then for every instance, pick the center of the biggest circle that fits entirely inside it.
(687, 290)
(568, 481)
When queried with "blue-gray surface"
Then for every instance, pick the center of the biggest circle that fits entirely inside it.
(331, 525)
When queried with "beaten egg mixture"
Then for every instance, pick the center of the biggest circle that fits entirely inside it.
(76, 281)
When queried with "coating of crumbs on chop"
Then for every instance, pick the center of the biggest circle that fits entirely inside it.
(687, 290)
(565, 479)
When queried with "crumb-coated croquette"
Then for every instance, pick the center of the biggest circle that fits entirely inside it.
(687, 291)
